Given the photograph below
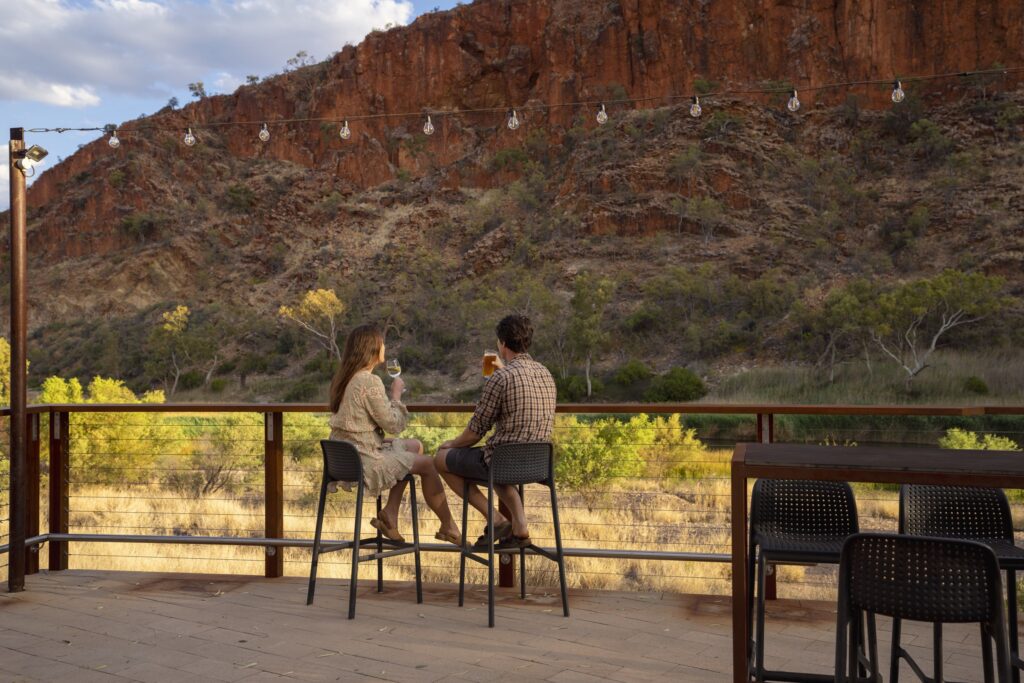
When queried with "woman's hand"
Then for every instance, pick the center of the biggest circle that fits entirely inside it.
(397, 387)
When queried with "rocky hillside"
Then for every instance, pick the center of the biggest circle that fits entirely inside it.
(435, 233)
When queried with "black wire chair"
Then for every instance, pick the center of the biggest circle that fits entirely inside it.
(977, 514)
(922, 578)
(793, 522)
(516, 465)
(342, 464)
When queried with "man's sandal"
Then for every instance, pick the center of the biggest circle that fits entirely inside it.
(500, 531)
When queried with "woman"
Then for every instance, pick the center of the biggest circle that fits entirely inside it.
(362, 413)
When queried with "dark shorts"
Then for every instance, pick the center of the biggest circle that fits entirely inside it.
(467, 462)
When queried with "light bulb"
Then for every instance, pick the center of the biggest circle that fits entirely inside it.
(794, 103)
(897, 92)
(189, 139)
(602, 116)
(695, 109)
(428, 127)
(114, 141)
(264, 133)
(345, 133)
(513, 120)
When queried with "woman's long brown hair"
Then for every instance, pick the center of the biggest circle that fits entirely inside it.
(362, 347)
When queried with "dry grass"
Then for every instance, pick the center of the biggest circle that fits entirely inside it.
(686, 515)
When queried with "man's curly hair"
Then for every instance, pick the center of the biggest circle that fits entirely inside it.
(515, 332)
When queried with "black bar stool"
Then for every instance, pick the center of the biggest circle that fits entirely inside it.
(793, 522)
(921, 578)
(342, 464)
(515, 465)
(976, 514)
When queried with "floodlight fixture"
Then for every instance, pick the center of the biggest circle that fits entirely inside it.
(27, 159)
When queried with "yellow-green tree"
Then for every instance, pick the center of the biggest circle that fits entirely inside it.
(319, 314)
(588, 331)
(110, 448)
(177, 345)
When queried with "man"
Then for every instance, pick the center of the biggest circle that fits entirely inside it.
(519, 402)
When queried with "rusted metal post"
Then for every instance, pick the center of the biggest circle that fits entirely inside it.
(506, 566)
(766, 434)
(32, 492)
(60, 475)
(18, 516)
(274, 490)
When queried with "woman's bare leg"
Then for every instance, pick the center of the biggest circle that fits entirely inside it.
(433, 493)
(397, 492)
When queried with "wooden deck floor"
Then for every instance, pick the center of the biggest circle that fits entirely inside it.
(84, 626)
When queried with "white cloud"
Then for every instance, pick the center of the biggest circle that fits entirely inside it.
(71, 53)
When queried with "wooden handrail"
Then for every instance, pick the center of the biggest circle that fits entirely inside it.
(579, 408)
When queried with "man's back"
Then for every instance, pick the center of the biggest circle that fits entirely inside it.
(519, 401)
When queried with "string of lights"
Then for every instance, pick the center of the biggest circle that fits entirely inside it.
(513, 120)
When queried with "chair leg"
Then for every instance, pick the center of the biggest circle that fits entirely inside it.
(490, 555)
(416, 538)
(876, 675)
(353, 583)
(751, 573)
(1011, 623)
(842, 633)
(894, 656)
(316, 541)
(937, 652)
(465, 543)
(559, 550)
(522, 555)
(380, 549)
(759, 628)
(1004, 664)
(986, 653)
(854, 646)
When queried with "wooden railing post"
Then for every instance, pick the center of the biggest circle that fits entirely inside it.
(60, 475)
(274, 490)
(32, 491)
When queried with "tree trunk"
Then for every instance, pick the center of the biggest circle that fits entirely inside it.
(590, 388)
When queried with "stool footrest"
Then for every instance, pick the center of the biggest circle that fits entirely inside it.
(388, 553)
(797, 677)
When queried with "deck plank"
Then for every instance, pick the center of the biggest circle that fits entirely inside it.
(127, 626)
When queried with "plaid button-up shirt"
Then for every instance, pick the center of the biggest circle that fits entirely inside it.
(519, 402)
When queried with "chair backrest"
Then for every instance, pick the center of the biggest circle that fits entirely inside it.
(955, 512)
(341, 461)
(803, 508)
(921, 578)
(523, 463)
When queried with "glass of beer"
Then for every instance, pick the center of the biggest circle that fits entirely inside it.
(490, 362)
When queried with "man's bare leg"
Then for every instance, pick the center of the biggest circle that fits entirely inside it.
(455, 483)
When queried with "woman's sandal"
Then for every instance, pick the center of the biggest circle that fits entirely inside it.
(390, 533)
(448, 536)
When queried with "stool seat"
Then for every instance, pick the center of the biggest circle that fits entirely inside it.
(513, 465)
(343, 464)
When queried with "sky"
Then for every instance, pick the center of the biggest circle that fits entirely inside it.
(86, 63)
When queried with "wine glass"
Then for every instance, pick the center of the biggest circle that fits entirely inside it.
(394, 368)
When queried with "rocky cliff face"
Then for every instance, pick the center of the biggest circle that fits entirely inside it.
(251, 223)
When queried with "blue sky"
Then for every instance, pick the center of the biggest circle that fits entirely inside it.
(84, 63)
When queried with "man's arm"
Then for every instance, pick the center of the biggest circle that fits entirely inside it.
(464, 440)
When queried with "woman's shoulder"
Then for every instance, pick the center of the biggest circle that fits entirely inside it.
(365, 378)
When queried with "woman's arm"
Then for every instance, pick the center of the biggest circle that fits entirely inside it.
(389, 415)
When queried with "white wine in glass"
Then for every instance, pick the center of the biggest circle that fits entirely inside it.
(394, 368)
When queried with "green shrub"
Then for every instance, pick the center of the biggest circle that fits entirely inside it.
(302, 391)
(632, 372)
(598, 451)
(574, 388)
(239, 198)
(644, 319)
(509, 158)
(218, 385)
(960, 439)
(678, 384)
(975, 385)
(116, 177)
(193, 379)
(930, 144)
(141, 226)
